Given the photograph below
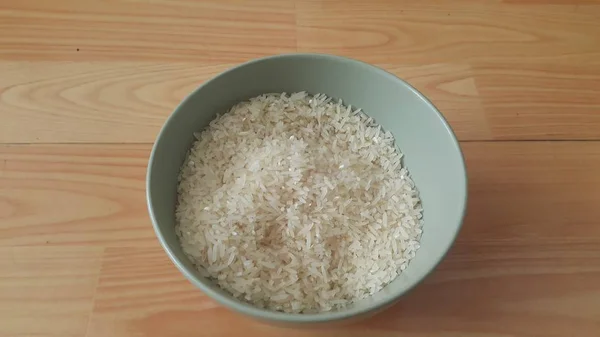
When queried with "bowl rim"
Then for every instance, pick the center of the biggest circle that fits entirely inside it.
(265, 314)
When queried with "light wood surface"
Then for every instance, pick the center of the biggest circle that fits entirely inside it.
(85, 86)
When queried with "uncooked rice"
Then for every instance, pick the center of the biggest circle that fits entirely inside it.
(297, 203)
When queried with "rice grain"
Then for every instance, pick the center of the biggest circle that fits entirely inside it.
(297, 203)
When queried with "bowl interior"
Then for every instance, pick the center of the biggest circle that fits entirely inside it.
(432, 156)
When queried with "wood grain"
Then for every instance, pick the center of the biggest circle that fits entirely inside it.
(47, 291)
(540, 100)
(74, 195)
(497, 71)
(43, 102)
(86, 85)
(428, 32)
(536, 69)
(128, 102)
(527, 262)
(208, 31)
(119, 102)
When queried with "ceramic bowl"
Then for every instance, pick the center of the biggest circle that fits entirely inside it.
(431, 154)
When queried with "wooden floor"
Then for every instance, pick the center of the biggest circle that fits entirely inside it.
(85, 86)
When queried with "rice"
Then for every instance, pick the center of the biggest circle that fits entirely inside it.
(297, 203)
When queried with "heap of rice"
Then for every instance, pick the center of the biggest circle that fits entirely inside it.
(298, 204)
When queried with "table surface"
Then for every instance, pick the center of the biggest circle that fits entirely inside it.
(86, 85)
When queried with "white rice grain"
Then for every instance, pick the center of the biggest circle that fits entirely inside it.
(297, 203)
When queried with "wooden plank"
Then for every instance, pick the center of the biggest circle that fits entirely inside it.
(524, 100)
(47, 291)
(74, 195)
(526, 263)
(441, 32)
(496, 70)
(533, 192)
(494, 289)
(65, 102)
(59, 102)
(137, 288)
(536, 69)
(209, 31)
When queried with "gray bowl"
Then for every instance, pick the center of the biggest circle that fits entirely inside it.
(432, 155)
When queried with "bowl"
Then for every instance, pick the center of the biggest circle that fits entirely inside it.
(431, 153)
